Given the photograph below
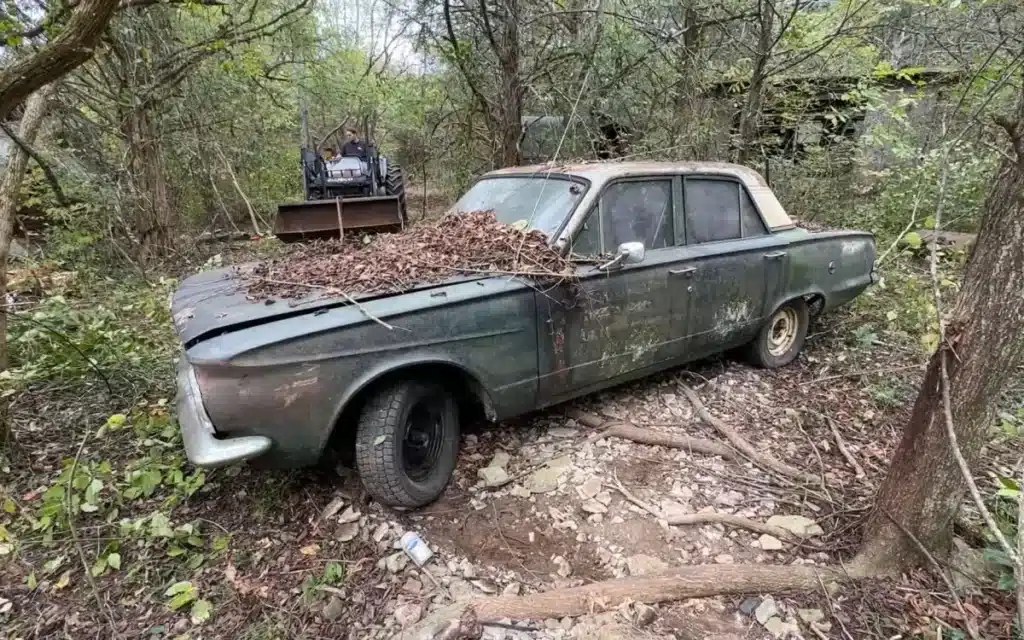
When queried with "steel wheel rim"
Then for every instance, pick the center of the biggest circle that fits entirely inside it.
(782, 332)
(422, 441)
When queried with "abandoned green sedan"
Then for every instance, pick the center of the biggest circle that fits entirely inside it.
(703, 259)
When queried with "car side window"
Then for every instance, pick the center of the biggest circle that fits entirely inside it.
(638, 211)
(588, 239)
(712, 210)
(751, 219)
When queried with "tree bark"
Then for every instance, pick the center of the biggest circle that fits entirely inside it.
(71, 48)
(148, 183)
(984, 341)
(510, 106)
(755, 93)
(35, 112)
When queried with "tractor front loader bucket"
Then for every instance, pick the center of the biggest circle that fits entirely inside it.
(328, 218)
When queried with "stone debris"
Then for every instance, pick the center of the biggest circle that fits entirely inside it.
(333, 609)
(765, 610)
(729, 498)
(512, 589)
(500, 459)
(799, 525)
(748, 606)
(642, 564)
(543, 480)
(348, 531)
(493, 476)
(563, 568)
(769, 543)
(396, 561)
(780, 629)
(590, 488)
(811, 616)
(408, 614)
(724, 558)
(348, 515)
(332, 508)
(593, 506)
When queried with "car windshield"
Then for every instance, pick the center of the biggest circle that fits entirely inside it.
(533, 201)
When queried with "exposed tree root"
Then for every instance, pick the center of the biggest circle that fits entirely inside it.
(742, 443)
(629, 431)
(697, 581)
(841, 444)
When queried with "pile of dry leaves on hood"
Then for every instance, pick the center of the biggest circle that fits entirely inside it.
(474, 243)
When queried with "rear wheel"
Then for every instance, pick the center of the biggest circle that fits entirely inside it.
(394, 185)
(782, 337)
(407, 443)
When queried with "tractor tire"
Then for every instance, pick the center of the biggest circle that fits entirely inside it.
(394, 185)
(407, 443)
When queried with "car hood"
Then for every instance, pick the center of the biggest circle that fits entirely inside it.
(214, 302)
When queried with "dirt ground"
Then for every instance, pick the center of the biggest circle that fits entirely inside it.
(306, 554)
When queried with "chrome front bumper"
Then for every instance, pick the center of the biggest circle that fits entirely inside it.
(203, 447)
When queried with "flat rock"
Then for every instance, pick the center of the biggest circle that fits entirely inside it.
(396, 561)
(493, 476)
(500, 459)
(724, 558)
(642, 564)
(543, 480)
(729, 498)
(519, 491)
(460, 589)
(563, 568)
(408, 614)
(811, 615)
(671, 509)
(511, 589)
(590, 488)
(333, 609)
(769, 543)
(348, 531)
(593, 506)
(800, 525)
(779, 629)
(765, 610)
(645, 614)
(485, 585)
(562, 432)
(748, 606)
(348, 515)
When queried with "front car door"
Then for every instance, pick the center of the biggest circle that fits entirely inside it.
(615, 324)
(735, 262)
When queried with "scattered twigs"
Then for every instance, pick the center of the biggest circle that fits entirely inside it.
(865, 372)
(741, 443)
(840, 443)
(333, 291)
(832, 610)
(939, 569)
(629, 431)
(727, 519)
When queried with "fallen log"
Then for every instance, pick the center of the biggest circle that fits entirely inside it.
(742, 443)
(629, 431)
(698, 581)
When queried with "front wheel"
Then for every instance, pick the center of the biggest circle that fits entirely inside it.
(782, 337)
(407, 443)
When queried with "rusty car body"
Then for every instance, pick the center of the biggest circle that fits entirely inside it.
(705, 260)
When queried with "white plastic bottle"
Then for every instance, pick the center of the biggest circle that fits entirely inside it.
(416, 549)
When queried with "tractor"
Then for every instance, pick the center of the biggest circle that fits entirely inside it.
(344, 193)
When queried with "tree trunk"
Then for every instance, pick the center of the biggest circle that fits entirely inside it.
(148, 183)
(984, 342)
(510, 121)
(35, 111)
(755, 93)
(68, 50)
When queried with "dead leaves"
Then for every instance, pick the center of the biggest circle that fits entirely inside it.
(459, 244)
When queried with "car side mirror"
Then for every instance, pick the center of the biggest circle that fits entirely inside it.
(628, 253)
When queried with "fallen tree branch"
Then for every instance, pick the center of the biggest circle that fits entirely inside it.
(742, 443)
(726, 519)
(840, 443)
(698, 581)
(854, 374)
(630, 431)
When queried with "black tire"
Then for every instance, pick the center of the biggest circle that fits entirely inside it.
(395, 466)
(790, 321)
(394, 185)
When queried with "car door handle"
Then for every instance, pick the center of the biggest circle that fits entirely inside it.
(775, 255)
(686, 273)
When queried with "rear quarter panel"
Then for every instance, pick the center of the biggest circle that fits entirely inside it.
(290, 379)
(834, 264)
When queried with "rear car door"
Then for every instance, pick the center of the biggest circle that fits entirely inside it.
(737, 264)
(615, 324)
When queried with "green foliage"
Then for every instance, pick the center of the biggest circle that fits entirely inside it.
(332, 576)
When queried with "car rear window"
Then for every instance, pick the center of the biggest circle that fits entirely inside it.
(719, 210)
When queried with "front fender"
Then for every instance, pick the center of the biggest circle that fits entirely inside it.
(410, 362)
